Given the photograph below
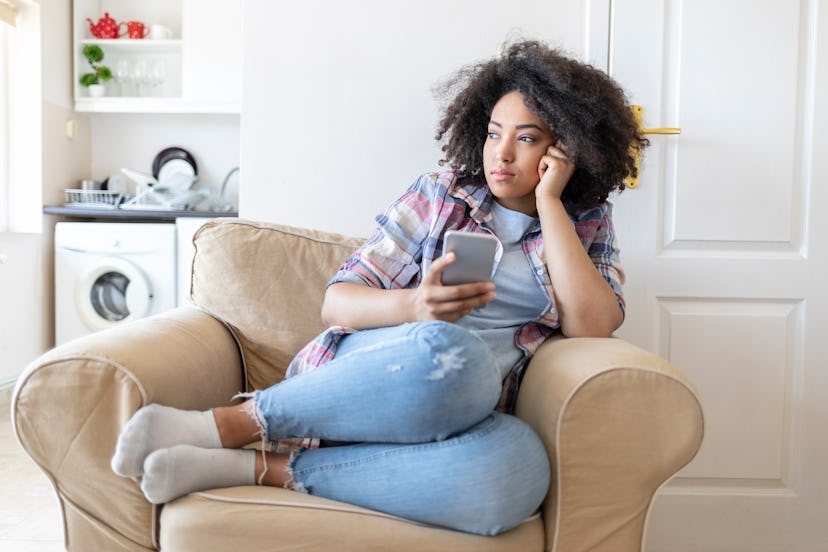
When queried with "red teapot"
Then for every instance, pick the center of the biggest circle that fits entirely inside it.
(106, 27)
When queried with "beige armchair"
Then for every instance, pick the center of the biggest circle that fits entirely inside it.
(617, 421)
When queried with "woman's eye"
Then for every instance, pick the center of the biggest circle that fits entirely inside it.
(528, 139)
(491, 135)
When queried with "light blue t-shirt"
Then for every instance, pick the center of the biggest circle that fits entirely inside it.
(519, 297)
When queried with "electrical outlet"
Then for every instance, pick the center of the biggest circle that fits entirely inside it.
(71, 127)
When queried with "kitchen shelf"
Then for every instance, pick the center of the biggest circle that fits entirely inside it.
(145, 45)
(135, 104)
(201, 73)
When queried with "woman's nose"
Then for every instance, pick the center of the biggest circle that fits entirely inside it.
(504, 152)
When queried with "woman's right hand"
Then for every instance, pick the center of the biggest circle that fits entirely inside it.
(434, 301)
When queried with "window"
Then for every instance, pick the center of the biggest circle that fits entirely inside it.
(20, 118)
(6, 17)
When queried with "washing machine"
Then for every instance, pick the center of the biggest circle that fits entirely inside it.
(111, 273)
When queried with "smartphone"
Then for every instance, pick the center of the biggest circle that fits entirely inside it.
(475, 257)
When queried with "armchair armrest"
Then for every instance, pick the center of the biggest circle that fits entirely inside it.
(617, 422)
(70, 405)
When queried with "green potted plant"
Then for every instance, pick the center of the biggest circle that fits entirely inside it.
(100, 73)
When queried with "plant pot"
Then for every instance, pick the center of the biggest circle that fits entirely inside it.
(97, 90)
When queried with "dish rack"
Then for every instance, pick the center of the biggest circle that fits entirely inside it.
(94, 199)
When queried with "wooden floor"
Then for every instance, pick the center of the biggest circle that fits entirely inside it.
(30, 518)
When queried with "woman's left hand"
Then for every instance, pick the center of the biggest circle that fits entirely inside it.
(555, 170)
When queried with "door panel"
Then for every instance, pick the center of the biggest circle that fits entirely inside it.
(747, 433)
(742, 88)
(719, 244)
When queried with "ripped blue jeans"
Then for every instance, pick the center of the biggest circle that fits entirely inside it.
(414, 403)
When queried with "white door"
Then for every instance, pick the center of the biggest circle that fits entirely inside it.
(724, 243)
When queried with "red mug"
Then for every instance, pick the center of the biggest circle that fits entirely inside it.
(135, 29)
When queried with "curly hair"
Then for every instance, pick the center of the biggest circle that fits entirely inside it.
(585, 109)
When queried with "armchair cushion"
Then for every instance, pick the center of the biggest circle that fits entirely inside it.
(276, 519)
(266, 282)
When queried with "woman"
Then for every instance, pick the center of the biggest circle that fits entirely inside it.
(410, 389)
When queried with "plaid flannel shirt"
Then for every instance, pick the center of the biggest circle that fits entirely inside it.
(410, 237)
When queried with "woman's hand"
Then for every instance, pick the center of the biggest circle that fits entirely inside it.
(434, 301)
(555, 169)
(361, 307)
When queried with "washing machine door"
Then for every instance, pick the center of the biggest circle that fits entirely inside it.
(112, 292)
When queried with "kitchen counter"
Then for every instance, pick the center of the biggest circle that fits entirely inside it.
(128, 215)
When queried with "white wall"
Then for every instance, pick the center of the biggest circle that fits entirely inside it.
(57, 51)
(21, 298)
(338, 112)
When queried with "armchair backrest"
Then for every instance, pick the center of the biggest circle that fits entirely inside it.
(266, 283)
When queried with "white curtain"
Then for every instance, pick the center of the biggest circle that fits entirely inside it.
(5, 54)
(20, 121)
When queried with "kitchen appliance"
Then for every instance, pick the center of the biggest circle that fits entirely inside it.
(111, 273)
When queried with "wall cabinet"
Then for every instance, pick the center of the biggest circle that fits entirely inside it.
(191, 65)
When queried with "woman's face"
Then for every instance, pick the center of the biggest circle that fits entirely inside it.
(515, 143)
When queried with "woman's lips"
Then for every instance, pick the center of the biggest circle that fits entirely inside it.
(501, 174)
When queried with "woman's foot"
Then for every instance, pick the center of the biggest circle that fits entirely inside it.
(156, 427)
(183, 469)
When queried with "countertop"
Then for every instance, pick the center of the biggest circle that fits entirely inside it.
(128, 215)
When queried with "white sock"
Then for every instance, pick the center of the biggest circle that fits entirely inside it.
(156, 427)
(173, 472)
